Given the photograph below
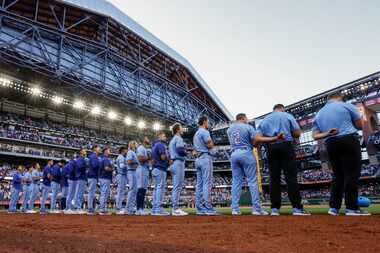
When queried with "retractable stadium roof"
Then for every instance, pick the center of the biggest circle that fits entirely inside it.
(106, 8)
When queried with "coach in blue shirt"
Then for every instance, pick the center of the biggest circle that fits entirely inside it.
(242, 137)
(160, 166)
(281, 157)
(338, 122)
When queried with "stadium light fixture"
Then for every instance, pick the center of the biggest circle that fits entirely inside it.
(141, 124)
(112, 115)
(57, 100)
(128, 121)
(35, 91)
(95, 110)
(79, 105)
(5, 82)
(156, 126)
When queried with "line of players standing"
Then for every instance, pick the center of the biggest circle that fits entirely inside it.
(132, 165)
(336, 123)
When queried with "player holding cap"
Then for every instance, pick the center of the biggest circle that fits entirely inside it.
(121, 179)
(203, 145)
(160, 158)
(338, 122)
(242, 137)
(92, 178)
(132, 163)
(105, 179)
(36, 178)
(142, 174)
(177, 155)
(46, 183)
(281, 157)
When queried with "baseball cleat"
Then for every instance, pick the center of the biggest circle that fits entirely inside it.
(358, 212)
(260, 213)
(31, 212)
(55, 212)
(333, 212)
(236, 213)
(275, 212)
(300, 212)
(80, 211)
(91, 213)
(142, 213)
(120, 213)
(104, 213)
(161, 214)
(69, 212)
(179, 212)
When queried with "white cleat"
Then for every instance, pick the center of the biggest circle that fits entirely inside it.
(179, 212)
(31, 212)
(80, 212)
(236, 213)
(55, 211)
(260, 213)
(120, 213)
(142, 213)
(69, 212)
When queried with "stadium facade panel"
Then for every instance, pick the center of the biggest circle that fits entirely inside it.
(94, 47)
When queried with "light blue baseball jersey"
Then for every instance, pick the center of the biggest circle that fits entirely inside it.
(121, 164)
(36, 173)
(175, 145)
(131, 156)
(278, 122)
(27, 177)
(142, 151)
(201, 137)
(338, 115)
(241, 136)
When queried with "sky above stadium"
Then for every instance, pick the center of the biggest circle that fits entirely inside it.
(254, 54)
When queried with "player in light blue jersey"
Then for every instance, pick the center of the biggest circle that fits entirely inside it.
(203, 145)
(132, 164)
(144, 156)
(178, 156)
(121, 179)
(36, 179)
(27, 188)
(242, 138)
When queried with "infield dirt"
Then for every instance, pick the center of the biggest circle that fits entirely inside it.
(59, 233)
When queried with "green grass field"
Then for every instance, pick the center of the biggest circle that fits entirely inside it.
(320, 210)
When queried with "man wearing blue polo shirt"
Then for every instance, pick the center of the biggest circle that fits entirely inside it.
(177, 153)
(160, 159)
(338, 122)
(281, 157)
(203, 145)
(242, 137)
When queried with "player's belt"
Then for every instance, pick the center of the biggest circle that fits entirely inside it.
(199, 154)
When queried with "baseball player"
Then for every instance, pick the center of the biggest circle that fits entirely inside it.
(281, 157)
(105, 179)
(132, 163)
(27, 188)
(121, 169)
(92, 178)
(81, 164)
(16, 189)
(56, 176)
(36, 178)
(177, 155)
(160, 159)
(46, 185)
(64, 187)
(142, 174)
(338, 123)
(203, 146)
(69, 173)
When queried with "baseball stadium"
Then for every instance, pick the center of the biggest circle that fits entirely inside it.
(77, 76)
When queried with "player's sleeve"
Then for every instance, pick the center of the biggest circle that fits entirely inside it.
(260, 129)
(293, 123)
(354, 112)
(206, 137)
(252, 132)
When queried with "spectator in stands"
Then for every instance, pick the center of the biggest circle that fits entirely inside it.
(16, 189)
